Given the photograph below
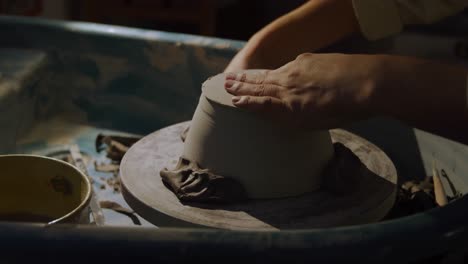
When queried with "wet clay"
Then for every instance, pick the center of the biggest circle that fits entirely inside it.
(269, 160)
(190, 183)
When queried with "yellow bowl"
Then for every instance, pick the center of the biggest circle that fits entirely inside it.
(41, 189)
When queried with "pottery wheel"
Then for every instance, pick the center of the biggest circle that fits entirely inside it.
(145, 192)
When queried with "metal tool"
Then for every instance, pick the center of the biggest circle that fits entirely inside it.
(455, 192)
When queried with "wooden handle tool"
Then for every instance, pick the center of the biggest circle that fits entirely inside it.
(439, 192)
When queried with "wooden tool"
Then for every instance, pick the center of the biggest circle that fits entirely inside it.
(439, 192)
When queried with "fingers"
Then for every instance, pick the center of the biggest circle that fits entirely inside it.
(254, 91)
(249, 77)
(265, 104)
(242, 88)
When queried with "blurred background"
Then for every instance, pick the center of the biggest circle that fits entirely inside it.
(234, 19)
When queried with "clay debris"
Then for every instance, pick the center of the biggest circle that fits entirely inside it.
(116, 207)
(115, 146)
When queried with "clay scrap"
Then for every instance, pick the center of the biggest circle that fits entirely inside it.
(116, 207)
(115, 146)
(190, 183)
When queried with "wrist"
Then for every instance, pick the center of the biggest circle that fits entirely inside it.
(373, 92)
(413, 89)
(394, 81)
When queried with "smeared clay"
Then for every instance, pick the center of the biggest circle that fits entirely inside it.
(190, 183)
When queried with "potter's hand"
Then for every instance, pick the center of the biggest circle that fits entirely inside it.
(330, 90)
(315, 90)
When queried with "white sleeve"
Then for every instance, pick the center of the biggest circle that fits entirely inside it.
(381, 18)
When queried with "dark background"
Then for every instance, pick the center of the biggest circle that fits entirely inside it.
(233, 19)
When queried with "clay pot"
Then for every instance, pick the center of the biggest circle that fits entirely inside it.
(270, 161)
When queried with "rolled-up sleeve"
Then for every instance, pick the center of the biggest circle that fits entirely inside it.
(382, 18)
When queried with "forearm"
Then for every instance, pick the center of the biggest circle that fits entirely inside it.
(312, 26)
(424, 94)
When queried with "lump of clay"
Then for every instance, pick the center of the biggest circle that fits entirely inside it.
(190, 183)
(269, 161)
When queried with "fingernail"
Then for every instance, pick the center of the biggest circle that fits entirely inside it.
(228, 84)
(236, 99)
(231, 76)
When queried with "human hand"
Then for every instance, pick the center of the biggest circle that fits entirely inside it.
(313, 91)
(330, 90)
